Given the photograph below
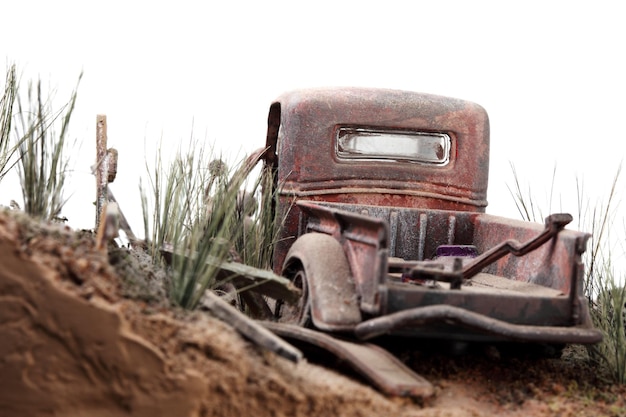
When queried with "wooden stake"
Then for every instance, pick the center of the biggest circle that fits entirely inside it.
(102, 165)
(109, 226)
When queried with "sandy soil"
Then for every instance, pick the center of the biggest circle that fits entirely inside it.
(87, 333)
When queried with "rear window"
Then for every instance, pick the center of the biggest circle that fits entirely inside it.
(395, 145)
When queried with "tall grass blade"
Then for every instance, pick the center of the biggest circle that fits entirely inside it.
(7, 102)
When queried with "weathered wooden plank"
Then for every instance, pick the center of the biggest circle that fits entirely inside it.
(249, 328)
(378, 366)
(249, 278)
(262, 281)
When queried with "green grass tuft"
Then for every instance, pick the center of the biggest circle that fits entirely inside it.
(43, 164)
(604, 284)
(197, 208)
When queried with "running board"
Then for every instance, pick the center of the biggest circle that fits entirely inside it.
(383, 370)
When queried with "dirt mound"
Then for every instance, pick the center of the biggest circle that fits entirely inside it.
(76, 339)
(73, 346)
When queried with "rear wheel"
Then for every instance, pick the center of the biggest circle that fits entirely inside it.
(317, 265)
(300, 312)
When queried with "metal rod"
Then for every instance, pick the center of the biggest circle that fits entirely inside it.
(554, 224)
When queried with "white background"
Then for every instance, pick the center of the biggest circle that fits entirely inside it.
(551, 75)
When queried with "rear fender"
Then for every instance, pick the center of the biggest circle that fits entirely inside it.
(333, 298)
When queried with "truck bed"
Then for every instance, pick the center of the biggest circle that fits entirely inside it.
(414, 234)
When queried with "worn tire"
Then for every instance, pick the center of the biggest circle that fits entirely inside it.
(300, 312)
(316, 263)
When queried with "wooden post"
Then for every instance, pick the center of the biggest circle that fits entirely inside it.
(102, 165)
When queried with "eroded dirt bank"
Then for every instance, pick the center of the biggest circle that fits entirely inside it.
(72, 345)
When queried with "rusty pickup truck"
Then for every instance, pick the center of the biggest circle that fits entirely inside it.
(381, 195)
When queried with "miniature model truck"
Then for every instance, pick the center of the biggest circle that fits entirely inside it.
(381, 195)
